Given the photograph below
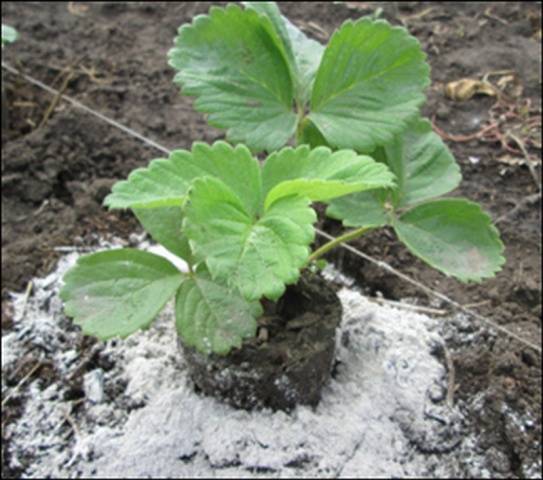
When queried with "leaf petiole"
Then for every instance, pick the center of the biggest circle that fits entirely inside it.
(347, 237)
(299, 123)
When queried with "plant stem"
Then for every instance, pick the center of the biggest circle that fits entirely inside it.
(346, 237)
(300, 119)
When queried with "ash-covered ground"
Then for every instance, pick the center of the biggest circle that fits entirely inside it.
(128, 408)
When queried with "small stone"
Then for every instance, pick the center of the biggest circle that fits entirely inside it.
(443, 112)
(263, 334)
(436, 393)
(93, 385)
(134, 239)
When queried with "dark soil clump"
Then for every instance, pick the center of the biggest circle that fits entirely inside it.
(290, 359)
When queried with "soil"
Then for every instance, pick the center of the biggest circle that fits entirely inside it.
(57, 166)
(288, 362)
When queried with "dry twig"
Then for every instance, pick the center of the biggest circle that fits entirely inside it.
(451, 381)
(409, 306)
(21, 383)
(56, 98)
(528, 158)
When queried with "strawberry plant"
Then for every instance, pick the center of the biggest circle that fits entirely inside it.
(245, 228)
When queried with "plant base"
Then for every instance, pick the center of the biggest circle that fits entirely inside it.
(289, 360)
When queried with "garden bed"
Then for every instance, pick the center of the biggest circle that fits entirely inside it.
(56, 172)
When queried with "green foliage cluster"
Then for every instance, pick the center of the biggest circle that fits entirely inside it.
(245, 227)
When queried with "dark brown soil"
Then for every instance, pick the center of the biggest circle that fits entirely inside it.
(56, 172)
(288, 362)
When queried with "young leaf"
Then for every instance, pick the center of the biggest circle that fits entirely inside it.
(117, 292)
(308, 55)
(165, 225)
(423, 164)
(303, 54)
(364, 209)
(234, 62)
(256, 255)
(272, 12)
(309, 134)
(454, 236)
(9, 34)
(320, 174)
(369, 84)
(211, 317)
(164, 182)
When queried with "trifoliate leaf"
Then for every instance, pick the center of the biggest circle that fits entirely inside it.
(117, 292)
(259, 256)
(234, 62)
(212, 317)
(320, 174)
(364, 209)
(165, 225)
(369, 84)
(454, 236)
(424, 166)
(164, 183)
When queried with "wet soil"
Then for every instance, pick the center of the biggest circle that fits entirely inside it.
(58, 163)
(288, 362)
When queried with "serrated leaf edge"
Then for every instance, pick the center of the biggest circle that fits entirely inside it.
(494, 233)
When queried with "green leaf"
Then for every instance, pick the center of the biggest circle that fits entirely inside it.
(164, 183)
(256, 307)
(234, 166)
(424, 168)
(303, 54)
(9, 34)
(454, 236)
(364, 209)
(310, 135)
(256, 255)
(320, 174)
(234, 62)
(211, 317)
(165, 225)
(369, 84)
(272, 12)
(117, 292)
(423, 164)
(308, 55)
